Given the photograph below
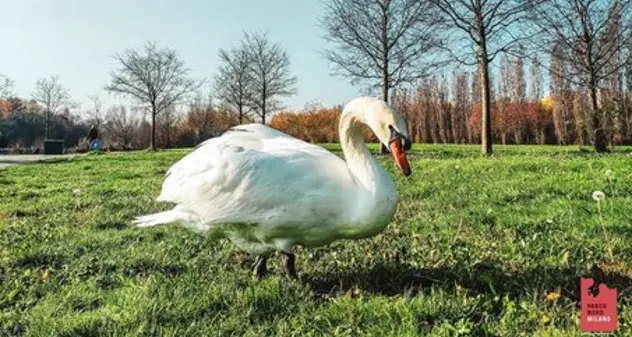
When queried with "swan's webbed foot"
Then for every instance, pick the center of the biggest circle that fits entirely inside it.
(289, 264)
(260, 267)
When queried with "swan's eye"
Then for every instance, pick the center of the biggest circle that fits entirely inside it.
(394, 134)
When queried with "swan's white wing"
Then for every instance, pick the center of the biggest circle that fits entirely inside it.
(257, 175)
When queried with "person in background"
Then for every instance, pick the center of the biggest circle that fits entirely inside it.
(93, 139)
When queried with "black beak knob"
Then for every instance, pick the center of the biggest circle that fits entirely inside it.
(406, 144)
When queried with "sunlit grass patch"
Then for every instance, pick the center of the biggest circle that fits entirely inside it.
(480, 246)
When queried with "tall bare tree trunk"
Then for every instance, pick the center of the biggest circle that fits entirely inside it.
(599, 134)
(385, 79)
(168, 137)
(263, 116)
(263, 106)
(47, 135)
(383, 148)
(152, 144)
(486, 121)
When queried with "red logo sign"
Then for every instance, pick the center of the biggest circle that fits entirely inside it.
(598, 312)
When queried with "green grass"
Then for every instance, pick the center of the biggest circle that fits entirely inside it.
(475, 247)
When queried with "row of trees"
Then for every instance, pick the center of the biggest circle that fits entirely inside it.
(394, 42)
(23, 124)
(122, 129)
(443, 109)
(447, 109)
(21, 121)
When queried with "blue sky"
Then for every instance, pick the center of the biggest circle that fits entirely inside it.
(76, 39)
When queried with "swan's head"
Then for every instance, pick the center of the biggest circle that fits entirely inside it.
(390, 127)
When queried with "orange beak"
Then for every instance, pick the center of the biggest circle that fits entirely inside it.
(400, 156)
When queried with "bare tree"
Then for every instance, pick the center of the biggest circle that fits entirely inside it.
(6, 86)
(120, 126)
(487, 24)
(157, 78)
(200, 118)
(233, 82)
(519, 83)
(384, 43)
(535, 80)
(54, 96)
(462, 106)
(505, 77)
(96, 114)
(269, 72)
(559, 90)
(592, 34)
(167, 121)
(627, 110)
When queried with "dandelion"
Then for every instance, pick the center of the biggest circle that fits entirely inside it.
(609, 173)
(545, 319)
(46, 274)
(553, 296)
(598, 196)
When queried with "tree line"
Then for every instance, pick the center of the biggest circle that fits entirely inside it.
(463, 71)
(395, 43)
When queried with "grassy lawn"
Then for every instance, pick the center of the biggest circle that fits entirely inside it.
(476, 246)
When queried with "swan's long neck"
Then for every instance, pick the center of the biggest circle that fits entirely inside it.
(365, 168)
(374, 200)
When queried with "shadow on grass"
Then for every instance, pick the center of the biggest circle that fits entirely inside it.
(483, 278)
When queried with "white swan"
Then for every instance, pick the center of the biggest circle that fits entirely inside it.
(267, 191)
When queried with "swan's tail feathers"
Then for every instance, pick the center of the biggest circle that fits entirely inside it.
(162, 218)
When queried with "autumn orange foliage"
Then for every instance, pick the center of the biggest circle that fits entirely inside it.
(6, 108)
(203, 122)
(316, 125)
(516, 120)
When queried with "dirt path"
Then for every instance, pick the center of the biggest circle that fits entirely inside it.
(9, 160)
